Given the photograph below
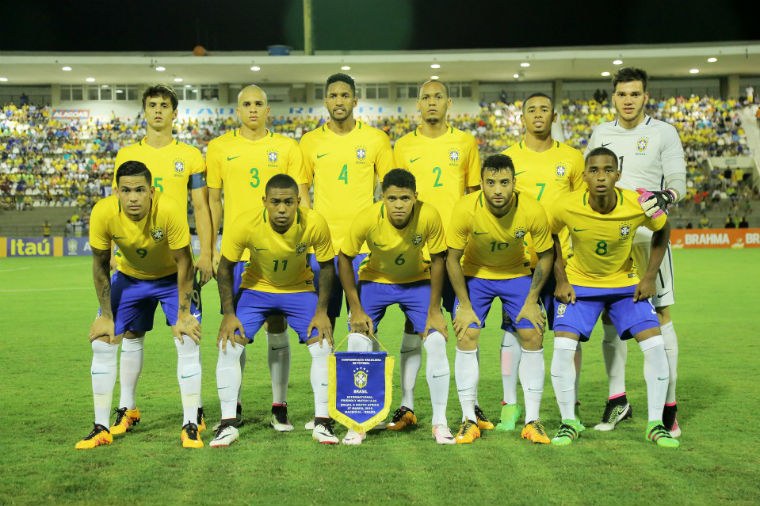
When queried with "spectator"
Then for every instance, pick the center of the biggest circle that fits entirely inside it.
(744, 223)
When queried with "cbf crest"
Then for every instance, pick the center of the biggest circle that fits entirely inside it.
(361, 153)
(417, 239)
(641, 145)
(454, 156)
(361, 376)
(625, 231)
(561, 309)
(560, 170)
(272, 156)
(179, 166)
(157, 234)
(300, 248)
(520, 232)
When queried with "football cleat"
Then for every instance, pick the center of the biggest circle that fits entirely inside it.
(354, 438)
(510, 414)
(614, 413)
(657, 433)
(237, 422)
(125, 420)
(442, 435)
(402, 418)
(468, 432)
(483, 422)
(201, 420)
(99, 436)
(190, 436)
(279, 421)
(669, 413)
(675, 430)
(225, 435)
(309, 425)
(569, 431)
(323, 432)
(535, 433)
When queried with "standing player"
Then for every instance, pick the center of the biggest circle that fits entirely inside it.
(651, 158)
(600, 276)
(397, 230)
(155, 265)
(487, 234)
(343, 159)
(547, 169)
(176, 167)
(241, 162)
(446, 164)
(278, 281)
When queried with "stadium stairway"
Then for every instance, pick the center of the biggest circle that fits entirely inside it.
(29, 223)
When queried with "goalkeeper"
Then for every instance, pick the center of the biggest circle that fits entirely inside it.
(651, 161)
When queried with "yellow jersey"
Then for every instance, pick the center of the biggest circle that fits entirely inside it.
(344, 170)
(173, 167)
(396, 255)
(144, 246)
(602, 243)
(278, 261)
(444, 166)
(494, 247)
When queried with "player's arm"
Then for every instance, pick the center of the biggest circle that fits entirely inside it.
(359, 321)
(321, 321)
(103, 325)
(230, 322)
(563, 291)
(303, 193)
(464, 313)
(435, 320)
(187, 324)
(531, 308)
(647, 287)
(199, 196)
(215, 211)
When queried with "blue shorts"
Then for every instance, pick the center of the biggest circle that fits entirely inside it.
(335, 304)
(254, 307)
(511, 292)
(412, 298)
(629, 317)
(134, 302)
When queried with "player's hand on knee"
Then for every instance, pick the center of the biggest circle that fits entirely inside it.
(531, 311)
(361, 323)
(464, 318)
(103, 327)
(655, 203)
(321, 322)
(436, 321)
(187, 325)
(227, 329)
(565, 293)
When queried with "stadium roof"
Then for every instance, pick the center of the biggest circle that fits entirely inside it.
(497, 65)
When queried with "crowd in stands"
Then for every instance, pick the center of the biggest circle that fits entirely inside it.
(53, 162)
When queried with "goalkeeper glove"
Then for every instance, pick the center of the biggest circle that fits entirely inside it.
(655, 203)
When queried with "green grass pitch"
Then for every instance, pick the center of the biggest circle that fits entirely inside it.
(47, 304)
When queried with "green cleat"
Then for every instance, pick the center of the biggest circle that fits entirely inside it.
(510, 414)
(569, 431)
(657, 433)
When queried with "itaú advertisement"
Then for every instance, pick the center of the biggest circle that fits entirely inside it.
(715, 238)
(58, 246)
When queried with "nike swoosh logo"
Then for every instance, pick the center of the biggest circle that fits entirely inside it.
(478, 233)
(196, 315)
(280, 348)
(117, 237)
(98, 372)
(441, 375)
(575, 229)
(259, 249)
(661, 379)
(230, 158)
(189, 375)
(412, 160)
(663, 295)
(323, 154)
(605, 144)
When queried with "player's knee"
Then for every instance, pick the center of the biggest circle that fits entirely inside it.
(469, 340)
(276, 324)
(359, 342)
(530, 340)
(663, 315)
(410, 342)
(277, 340)
(319, 350)
(133, 343)
(435, 345)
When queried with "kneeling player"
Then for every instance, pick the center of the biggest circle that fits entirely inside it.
(154, 265)
(602, 221)
(277, 281)
(486, 234)
(396, 230)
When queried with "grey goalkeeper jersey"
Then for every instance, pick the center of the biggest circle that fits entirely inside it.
(650, 154)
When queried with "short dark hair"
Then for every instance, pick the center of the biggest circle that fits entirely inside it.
(163, 91)
(537, 94)
(341, 78)
(282, 182)
(445, 87)
(399, 178)
(498, 163)
(133, 168)
(628, 74)
(600, 151)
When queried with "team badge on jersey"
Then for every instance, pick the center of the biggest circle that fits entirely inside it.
(157, 234)
(561, 308)
(272, 156)
(179, 166)
(417, 239)
(454, 155)
(361, 153)
(625, 230)
(300, 248)
(520, 232)
(360, 377)
(641, 144)
(561, 170)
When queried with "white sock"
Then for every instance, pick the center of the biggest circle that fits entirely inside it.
(129, 370)
(532, 371)
(189, 377)
(242, 370)
(103, 373)
(467, 376)
(411, 362)
(359, 342)
(319, 353)
(578, 361)
(279, 365)
(655, 374)
(510, 362)
(671, 350)
(563, 376)
(228, 378)
(438, 375)
(615, 353)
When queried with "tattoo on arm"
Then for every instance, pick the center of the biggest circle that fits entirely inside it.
(538, 277)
